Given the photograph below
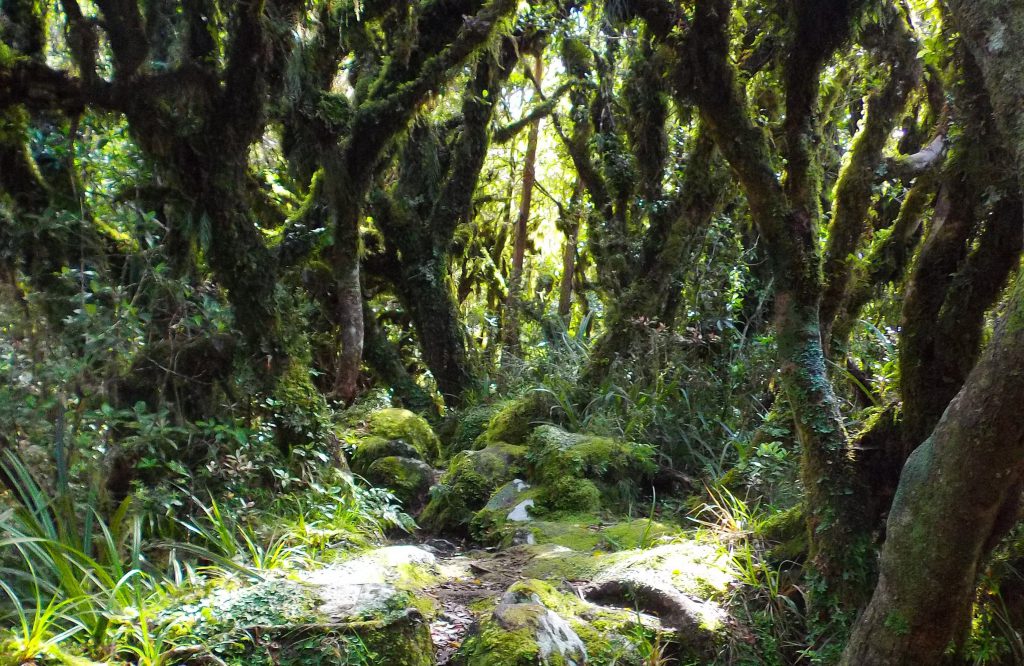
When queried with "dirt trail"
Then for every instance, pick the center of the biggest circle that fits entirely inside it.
(481, 574)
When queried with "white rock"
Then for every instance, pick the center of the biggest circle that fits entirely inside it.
(520, 514)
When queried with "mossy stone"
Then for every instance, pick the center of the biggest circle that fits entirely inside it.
(568, 494)
(564, 454)
(373, 448)
(409, 479)
(467, 485)
(395, 423)
(509, 636)
(239, 623)
(515, 419)
(487, 523)
(523, 631)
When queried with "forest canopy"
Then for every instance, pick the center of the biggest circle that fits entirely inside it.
(494, 332)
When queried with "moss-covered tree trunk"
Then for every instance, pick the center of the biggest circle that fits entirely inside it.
(961, 487)
(786, 216)
(947, 512)
(418, 217)
(570, 219)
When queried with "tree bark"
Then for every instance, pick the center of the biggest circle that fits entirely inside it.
(510, 325)
(572, 221)
(787, 222)
(852, 197)
(959, 485)
(946, 512)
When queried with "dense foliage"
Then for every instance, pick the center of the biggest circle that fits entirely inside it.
(746, 267)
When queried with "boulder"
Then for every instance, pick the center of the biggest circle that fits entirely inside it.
(515, 419)
(537, 623)
(369, 609)
(409, 479)
(467, 485)
(522, 631)
(561, 454)
(372, 448)
(393, 423)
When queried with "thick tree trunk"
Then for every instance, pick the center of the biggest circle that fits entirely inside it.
(970, 251)
(958, 487)
(786, 220)
(384, 358)
(427, 293)
(947, 512)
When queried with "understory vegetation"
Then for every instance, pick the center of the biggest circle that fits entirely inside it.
(496, 333)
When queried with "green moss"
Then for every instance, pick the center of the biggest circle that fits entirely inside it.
(515, 420)
(563, 603)
(409, 479)
(578, 535)
(639, 533)
(512, 640)
(897, 623)
(560, 454)
(300, 411)
(373, 448)
(394, 423)
(570, 495)
(611, 636)
(787, 530)
(553, 562)
(493, 646)
(470, 424)
(401, 644)
(468, 484)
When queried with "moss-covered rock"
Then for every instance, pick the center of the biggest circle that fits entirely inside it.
(558, 454)
(515, 419)
(523, 631)
(467, 485)
(487, 524)
(585, 533)
(370, 609)
(394, 423)
(568, 494)
(469, 424)
(692, 567)
(578, 632)
(408, 478)
(372, 448)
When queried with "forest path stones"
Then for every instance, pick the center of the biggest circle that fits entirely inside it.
(602, 601)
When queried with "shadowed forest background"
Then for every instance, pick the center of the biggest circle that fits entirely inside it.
(496, 332)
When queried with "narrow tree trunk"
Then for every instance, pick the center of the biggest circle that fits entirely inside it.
(349, 297)
(572, 233)
(522, 229)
